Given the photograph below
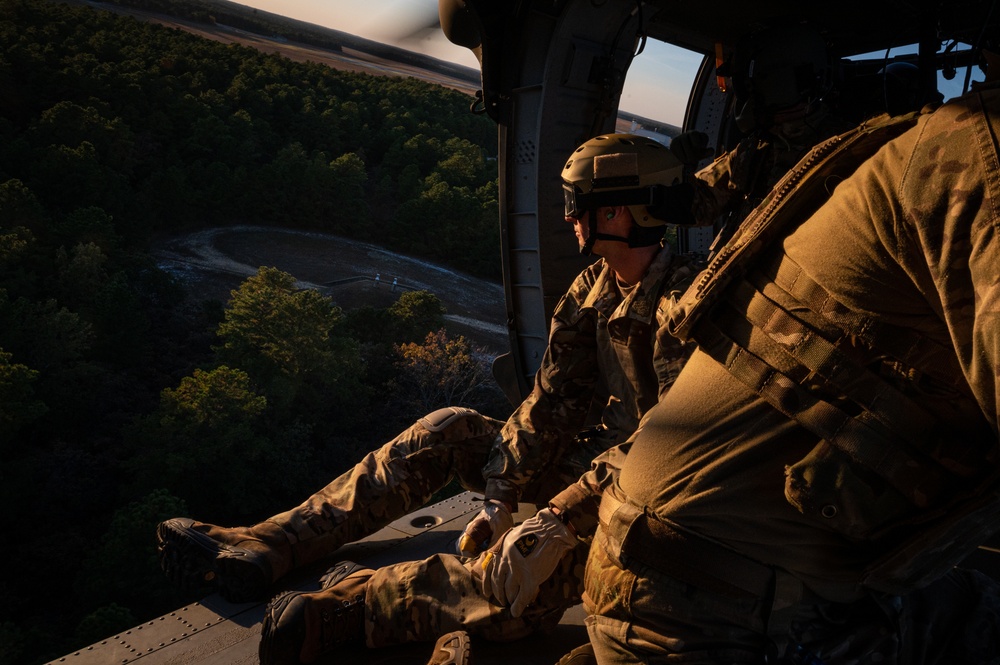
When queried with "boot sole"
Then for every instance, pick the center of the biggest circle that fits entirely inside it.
(280, 645)
(195, 562)
(281, 642)
(452, 649)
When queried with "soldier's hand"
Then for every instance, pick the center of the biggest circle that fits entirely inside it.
(514, 568)
(491, 523)
(691, 147)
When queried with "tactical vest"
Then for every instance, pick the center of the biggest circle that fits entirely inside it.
(884, 473)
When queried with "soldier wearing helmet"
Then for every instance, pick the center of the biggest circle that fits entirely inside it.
(783, 82)
(602, 338)
(616, 171)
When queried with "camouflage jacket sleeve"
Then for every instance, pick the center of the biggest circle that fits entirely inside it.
(945, 235)
(579, 502)
(543, 426)
(719, 184)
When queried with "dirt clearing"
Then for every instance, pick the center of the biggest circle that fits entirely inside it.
(213, 262)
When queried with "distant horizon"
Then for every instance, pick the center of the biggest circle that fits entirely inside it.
(413, 23)
(656, 87)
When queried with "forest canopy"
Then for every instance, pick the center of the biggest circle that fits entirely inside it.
(163, 130)
(124, 399)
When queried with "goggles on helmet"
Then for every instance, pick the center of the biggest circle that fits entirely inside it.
(576, 202)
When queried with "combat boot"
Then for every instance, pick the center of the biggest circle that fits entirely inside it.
(582, 655)
(241, 562)
(452, 649)
(301, 626)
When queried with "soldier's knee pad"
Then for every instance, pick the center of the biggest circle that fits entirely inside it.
(443, 418)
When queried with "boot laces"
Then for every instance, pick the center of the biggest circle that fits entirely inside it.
(344, 622)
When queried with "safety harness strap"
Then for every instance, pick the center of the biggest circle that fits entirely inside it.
(903, 344)
(867, 445)
(831, 160)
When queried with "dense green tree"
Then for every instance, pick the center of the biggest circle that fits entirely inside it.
(20, 258)
(19, 207)
(122, 571)
(414, 314)
(90, 225)
(293, 343)
(113, 130)
(212, 420)
(42, 334)
(349, 206)
(462, 163)
(18, 404)
(159, 128)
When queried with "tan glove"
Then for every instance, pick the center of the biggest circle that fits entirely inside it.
(515, 567)
(485, 528)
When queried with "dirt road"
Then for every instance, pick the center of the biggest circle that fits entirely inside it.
(213, 262)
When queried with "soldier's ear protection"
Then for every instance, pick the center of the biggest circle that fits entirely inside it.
(610, 215)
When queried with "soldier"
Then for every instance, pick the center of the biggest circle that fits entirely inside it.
(609, 315)
(600, 339)
(829, 453)
(534, 572)
(783, 82)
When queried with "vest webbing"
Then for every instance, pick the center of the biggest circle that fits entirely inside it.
(796, 370)
(810, 180)
(787, 361)
(905, 344)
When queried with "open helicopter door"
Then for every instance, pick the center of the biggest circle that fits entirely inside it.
(552, 78)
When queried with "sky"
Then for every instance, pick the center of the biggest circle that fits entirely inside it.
(657, 86)
(411, 24)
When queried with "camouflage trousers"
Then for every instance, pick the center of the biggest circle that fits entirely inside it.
(638, 613)
(392, 481)
(421, 600)
(403, 475)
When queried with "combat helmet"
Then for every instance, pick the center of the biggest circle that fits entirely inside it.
(621, 169)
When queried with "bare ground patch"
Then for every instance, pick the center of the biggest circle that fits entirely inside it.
(213, 262)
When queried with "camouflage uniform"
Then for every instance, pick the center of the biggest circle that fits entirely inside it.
(599, 341)
(730, 187)
(830, 452)
(600, 338)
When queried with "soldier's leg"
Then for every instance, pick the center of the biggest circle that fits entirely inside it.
(399, 477)
(421, 600)
(392, 481)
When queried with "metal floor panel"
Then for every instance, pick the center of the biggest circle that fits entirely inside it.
(217, 632)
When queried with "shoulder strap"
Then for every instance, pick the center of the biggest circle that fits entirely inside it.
(796, 196)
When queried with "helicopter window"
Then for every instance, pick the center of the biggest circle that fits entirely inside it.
(656, 90)
(954, 75)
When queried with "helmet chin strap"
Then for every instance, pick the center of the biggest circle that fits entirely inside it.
(593, 236)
